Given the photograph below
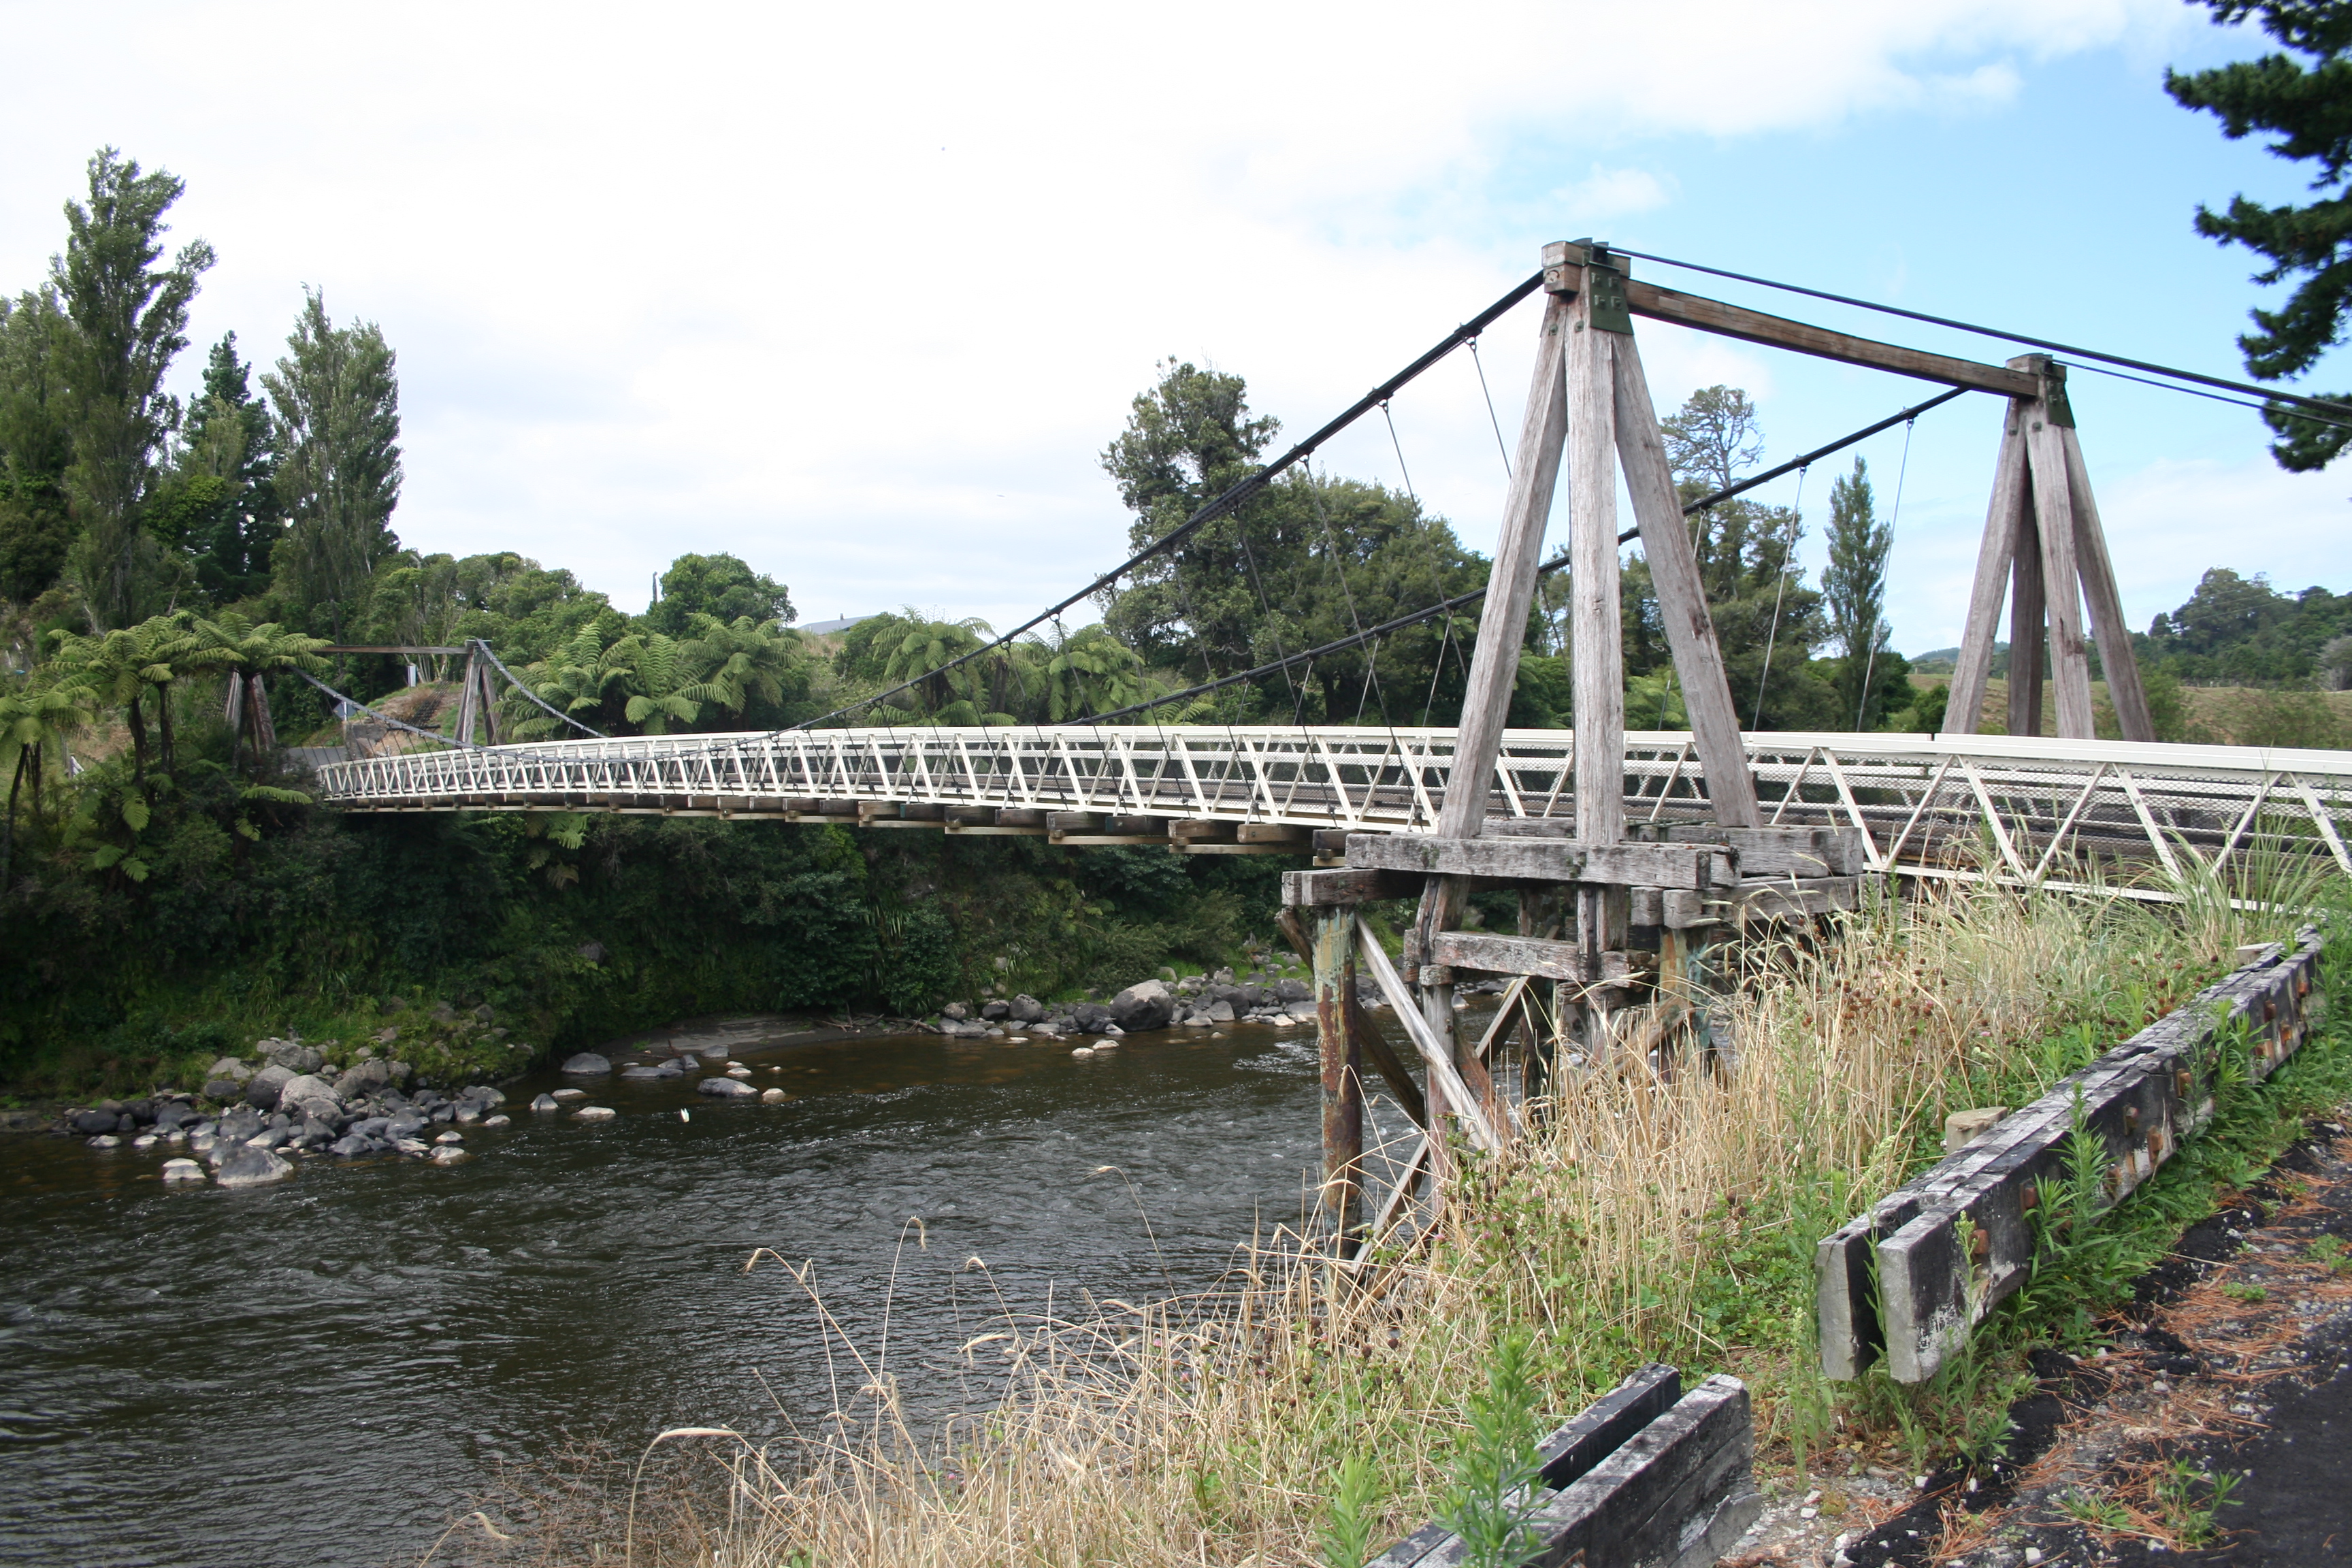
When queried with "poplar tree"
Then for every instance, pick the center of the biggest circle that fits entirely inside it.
(336, 402)
(2308, 108)
(1853, 590)
(126, 321)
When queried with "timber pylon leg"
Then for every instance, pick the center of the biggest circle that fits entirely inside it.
(2043, 544)
(1332, 937)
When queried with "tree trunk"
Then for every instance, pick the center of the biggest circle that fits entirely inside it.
(265, 731)
(8, 828)
(163, 722)
(138, 741)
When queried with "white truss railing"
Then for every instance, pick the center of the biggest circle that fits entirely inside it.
(2016, 809)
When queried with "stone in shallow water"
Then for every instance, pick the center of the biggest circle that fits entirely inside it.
(448, 1155)
(726, 1088)
(595, 1113)
(106, 1141)
(774, 1097)
(450, 1138)
(501, 1119)
(183, 1170)
(642, 1073)
(587, 1063)
(571, 1094)
(544, 1102)
(251, 1167)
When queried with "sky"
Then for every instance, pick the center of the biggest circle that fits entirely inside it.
(860, 293)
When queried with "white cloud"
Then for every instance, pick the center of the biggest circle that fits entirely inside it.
(859, 291)
(1608, 194)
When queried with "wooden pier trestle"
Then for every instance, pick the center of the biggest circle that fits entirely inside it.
(1609, 922)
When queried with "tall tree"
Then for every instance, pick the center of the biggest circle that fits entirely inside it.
(1305, 562)
(723, 585)
(1854, 591)
(2304, 105)
(35, 445)
(219, 505)
(1767, 620)
(128, 320)
(337, 403)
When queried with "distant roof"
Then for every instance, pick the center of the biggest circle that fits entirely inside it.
(843, 624)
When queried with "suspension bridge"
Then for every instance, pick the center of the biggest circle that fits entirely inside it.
(2014, 809)
(1632, 854)
(2017, 808)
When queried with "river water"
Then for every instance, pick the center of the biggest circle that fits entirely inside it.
(319, 1371)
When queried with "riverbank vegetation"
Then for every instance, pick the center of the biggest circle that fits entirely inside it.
(1284, 1418)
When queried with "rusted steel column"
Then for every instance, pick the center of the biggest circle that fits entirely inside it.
(1332, 932)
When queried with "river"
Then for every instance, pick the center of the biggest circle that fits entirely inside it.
(319, 1371)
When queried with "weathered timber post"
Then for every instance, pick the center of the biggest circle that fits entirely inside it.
(1599, 322)
(1333, 939)
(2043, 536)
(2027, 626)
(1494, 670)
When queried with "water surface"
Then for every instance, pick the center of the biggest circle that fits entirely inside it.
(315, 1372)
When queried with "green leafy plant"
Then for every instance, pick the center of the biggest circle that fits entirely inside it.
(1497, 1463)
(2187, 1514)
(2100, 1513)
(2245, 1292)
(1351, 1517)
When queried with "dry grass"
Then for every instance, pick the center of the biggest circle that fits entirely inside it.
(1645, 1215)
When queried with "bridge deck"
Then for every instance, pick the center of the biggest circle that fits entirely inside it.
(2021, 807)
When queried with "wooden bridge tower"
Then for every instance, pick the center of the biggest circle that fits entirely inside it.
(1608, 915)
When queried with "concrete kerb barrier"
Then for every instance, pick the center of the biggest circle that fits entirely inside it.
(1647, 1474)
(1910, 1278)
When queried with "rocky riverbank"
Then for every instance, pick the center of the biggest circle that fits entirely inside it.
(255, 1115)
(1196, 1002)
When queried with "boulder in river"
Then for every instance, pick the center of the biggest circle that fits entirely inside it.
(293, 1056)
(183, 1170)
(267, 1084)
(448, 1155)
(1146, 1005)
(587, 1063)
(774, 1097)
(366, 1077)
(312, 1096)
(1025, 1009)
(544, 1102)
(726, 1088)
(491, 1123)
(91, 1122)
(251, 1167)
(644, 1072)
(595, 1113)
(1220, 1011)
